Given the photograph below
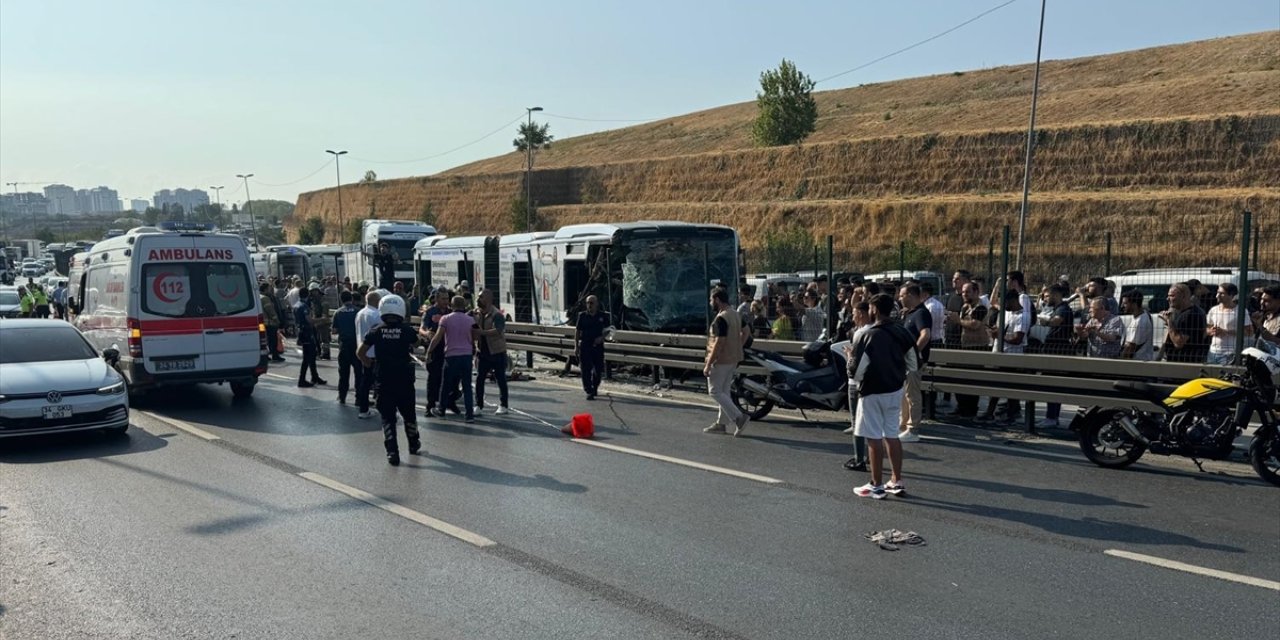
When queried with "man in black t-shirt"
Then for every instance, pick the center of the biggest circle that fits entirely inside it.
(395, 340)
(919, 323)
(1186, 340)
(588, 345)
(385, 263)
(1060, 321)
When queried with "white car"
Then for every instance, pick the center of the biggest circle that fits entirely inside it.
(52, 381)
(10, 304)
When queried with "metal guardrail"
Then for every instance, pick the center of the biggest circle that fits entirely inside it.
(1031, 378)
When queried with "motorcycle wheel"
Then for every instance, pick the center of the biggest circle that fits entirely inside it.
(1264, 455)
(756, 407)
(1105, 442)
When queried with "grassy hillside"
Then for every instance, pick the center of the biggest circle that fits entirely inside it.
(1152, 145)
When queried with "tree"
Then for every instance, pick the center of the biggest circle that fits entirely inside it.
(533, 133)
(787, 111)
(370, 176)
(45, 235)
(151, 216)
(790, 249)
(428, 214)
(352, 233)
(207, 213)
(311, 231)
(520, 213)
(273, 210)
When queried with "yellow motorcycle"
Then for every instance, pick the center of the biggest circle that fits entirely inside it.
(1201, 419)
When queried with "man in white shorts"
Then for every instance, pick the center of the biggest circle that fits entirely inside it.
(883, 355)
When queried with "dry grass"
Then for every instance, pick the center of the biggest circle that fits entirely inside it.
(1158, 146)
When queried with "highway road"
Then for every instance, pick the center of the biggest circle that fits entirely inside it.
(278, 517)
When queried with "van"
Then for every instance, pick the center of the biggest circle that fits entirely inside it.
(179, 306)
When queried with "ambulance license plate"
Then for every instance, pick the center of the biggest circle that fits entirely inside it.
(56, 412)
(186, 364)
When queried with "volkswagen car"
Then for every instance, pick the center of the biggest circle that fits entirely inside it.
(52, 381)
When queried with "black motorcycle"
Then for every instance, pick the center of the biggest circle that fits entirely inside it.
(818, 380)
(1201, 419)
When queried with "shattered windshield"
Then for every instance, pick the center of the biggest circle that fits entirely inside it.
(666, 281)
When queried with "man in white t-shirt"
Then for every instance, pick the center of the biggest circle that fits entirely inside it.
(1220, 326)
(1138, 330)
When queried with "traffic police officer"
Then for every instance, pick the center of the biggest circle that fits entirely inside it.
(395, 340)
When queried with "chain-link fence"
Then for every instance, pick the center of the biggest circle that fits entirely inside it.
(1197, 266)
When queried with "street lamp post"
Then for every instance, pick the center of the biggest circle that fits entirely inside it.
(1031, 145)
(342, 226)
(217, 194)
(253, 227)
(528, 170)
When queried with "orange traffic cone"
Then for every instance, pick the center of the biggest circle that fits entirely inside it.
(581, 426)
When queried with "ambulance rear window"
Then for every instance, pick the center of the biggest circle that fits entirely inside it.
(196, 289)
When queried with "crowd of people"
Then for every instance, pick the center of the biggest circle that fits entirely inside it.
(893, 328)
(35, 301)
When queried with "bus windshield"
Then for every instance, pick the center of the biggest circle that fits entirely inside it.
(666, 281)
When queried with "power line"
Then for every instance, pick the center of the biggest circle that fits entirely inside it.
(286, 184)
(926, 40)
(444, 153)
(556, 115)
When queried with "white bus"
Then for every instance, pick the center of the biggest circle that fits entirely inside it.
(400, 236)
(283, 261)
(327, 260)
(650, 276)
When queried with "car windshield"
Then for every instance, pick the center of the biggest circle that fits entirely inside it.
(54, 343)
(9, 297)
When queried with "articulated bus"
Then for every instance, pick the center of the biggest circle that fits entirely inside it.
(283, 261)
(650, 276)
(327, 260)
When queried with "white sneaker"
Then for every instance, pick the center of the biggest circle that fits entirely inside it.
(715, 428)
(502, 411)
(909, 436)
(365, 415)
(848, 431)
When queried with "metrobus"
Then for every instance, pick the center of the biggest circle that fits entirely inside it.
(327, 260)
(650, 276)
(283, 261)
(400, 236)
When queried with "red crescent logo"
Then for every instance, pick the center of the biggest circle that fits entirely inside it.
(159, 291)
(228, 296)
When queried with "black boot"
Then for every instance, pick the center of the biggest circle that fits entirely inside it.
(414, 447)
(393, 458)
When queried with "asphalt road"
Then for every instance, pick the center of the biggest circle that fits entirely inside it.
(278, 517)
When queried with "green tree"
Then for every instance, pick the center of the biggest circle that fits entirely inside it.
(532, 133)
(787, 111)
(311, 231)
(45, 235)
(370, 177)
(523, 219)
(272, 210)
(908, 256)
(352, 233)
(151, 216)
(789, 249)
(207, 213)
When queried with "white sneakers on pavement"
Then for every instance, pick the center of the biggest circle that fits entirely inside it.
(365, 415)
(501, 411)
(909, 435)
(715, 428)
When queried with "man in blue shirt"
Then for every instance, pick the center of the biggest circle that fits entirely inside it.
(344, 324)
(307, 339)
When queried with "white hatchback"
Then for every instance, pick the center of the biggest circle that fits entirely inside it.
(52, 381)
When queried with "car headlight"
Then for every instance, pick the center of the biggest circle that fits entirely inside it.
(112, 389)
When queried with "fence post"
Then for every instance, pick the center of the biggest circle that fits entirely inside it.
(1107, 272)
(902, 261)
(1004, 263)
(1255, 252)
(1241, 307)
(991, 265)
(815, 261)
(831, 291)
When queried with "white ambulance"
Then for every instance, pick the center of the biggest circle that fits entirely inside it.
(178, 306)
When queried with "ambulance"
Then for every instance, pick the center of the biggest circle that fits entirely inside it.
(174, 305)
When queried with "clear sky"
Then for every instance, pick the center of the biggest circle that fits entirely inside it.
(141, 95)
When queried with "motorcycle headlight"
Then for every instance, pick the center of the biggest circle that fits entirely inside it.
(112, 389)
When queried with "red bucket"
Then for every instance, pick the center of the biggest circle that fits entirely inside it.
(582, 426)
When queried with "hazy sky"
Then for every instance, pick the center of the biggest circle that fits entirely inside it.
(142, 95)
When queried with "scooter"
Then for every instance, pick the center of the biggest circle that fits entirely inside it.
(816, 381)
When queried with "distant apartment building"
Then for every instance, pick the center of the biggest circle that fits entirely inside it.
(62, 199)
(103, 200)
(188, 199)
(18, 205)
(139, 206)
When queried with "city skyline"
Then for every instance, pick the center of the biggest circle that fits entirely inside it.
(408, 83)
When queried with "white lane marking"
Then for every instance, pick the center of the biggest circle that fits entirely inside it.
(276, 375)
(1191, 568)
(400, 510)
(178, 424)
(684, 463)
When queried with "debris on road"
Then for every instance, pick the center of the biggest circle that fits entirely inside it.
(890, 539)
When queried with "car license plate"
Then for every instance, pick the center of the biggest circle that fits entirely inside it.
(56, 412)
(186, 364)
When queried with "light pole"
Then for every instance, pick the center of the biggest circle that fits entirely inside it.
(1031, 143)
(528, 170)
(252, 225)
(337, 155)
(217, 194)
